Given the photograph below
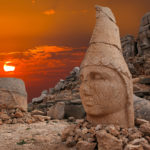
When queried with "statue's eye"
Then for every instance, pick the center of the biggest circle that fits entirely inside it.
(96, 76)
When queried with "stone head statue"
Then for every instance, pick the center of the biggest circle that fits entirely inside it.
(106, 83)
(13, 94)
(143, 40)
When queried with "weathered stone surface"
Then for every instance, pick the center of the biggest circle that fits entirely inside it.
(57, 111)
(37, 112)
(144, 35)
(145, 128)
(106, 83)
(13, 93)
(110, 33)
(59, 86)
(140, 121)
(141, 108)
(39, 99)
(83, 145)
(107, 141)
(128, 46)
(75, 71)
(76, 111)
(145, 80)
(133, 147)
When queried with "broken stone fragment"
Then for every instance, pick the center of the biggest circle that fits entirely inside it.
(145, 128)
(13, 93)
(57, 111)
(84, 145)
(37, 112)
(133, 147)
(108, 142)
(141, 108)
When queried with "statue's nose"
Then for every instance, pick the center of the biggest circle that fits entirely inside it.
(86, 89)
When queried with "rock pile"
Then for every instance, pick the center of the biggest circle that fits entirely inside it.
(83, 135)
(63, 100)
(13, 116)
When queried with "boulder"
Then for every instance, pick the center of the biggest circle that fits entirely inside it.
(39, 99)
(13, 93)
(59, 85)
(76, 111)
(83, 145)
(108, 142)
(57, 111)
(141, 108)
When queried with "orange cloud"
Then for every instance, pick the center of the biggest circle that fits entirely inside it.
(42, 59)
(49, 12)
(42, 66)
(33, 1)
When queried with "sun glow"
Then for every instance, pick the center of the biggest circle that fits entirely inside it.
(8, 67)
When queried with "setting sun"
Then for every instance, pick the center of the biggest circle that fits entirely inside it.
(8, 67)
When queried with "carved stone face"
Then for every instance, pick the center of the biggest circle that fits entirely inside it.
(102, 91)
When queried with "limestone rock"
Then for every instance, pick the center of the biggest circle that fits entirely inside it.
(145, 128)
(133, 147)
(144, 35)
(76, 111)
(59, 85)
(39, 99)
(140, 121)
(141, 108)
(37, 112)
(83, 145)
(107, 141)
(128, 46)
(57, 111)
(13, 93)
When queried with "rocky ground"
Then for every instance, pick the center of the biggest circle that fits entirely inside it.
(36, 136)
(74, 134)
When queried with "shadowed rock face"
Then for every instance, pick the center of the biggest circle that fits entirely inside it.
(13, 93)
(128, 46)
(144, 35)
(106, 88)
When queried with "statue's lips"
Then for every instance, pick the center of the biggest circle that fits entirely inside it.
(88, 101)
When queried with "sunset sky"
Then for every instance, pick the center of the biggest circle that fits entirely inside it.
(45, 39)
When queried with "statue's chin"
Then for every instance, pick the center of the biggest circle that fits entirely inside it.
(95, 110)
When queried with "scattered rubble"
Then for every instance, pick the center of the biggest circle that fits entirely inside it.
(14, 116)
(83, 135)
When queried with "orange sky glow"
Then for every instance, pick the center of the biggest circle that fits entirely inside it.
(45, 39)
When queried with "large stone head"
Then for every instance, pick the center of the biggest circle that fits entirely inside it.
(106, 86)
